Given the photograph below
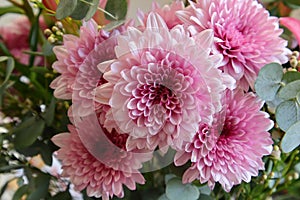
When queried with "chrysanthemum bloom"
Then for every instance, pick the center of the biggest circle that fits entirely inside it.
(245, 34)
(167, 12)
(162, 84)
(72, 54)
(232, 149)
(87, 172)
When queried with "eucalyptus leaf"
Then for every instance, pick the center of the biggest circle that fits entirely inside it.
(81, 9)
(114, 24)
(92, 10)
(287, 113)
(118, 8)
(175, 190)
(28, 131)
(290, 91)
(163, 197)
(169, 177)
(65, 8)
(291, 138)
(205, 197)
(269, 81)
(290, 76)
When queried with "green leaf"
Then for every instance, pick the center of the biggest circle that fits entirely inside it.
(41, 183)
(10, 9)
(20, 192)
(34, 37)
(9, 168)
(49, 114)
(9, 69)
(290, 91)
(114, 24)
(269, 81)
(292, 3)
(290, 76)
(205, 197)
(65, 8)
(291, 139)
(287, 113)
(169, 177)
(175, 190)
(47, 49)
(62, 195)
(92, 10)
(46, 154)
(28, 131)
(118, 8)
(163, 197)
(81, 9)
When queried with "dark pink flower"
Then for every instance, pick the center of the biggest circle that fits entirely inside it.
(293, 25)
(231, 150)
(15, 36)
(245, 34)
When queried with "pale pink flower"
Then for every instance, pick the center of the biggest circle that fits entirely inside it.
(15, 36)
(245, 33)
(230, 150)
(72, 54)
(167, 12)
(98, 178)
(161, 85)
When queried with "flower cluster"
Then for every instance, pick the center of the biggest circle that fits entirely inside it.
(179, 81)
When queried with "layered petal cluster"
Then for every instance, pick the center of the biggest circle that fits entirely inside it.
(87, 172)
(231, 150)
(245, 34)
(77, 51)
(162, 84)
(167, 12)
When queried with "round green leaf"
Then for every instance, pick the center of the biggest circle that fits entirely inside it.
(291, 139)
(269, 81)
(290, 76)
(287, 113)
(81, 9)
(163, 197)
(175, 190)
(290, 91)
(117, 8)
(65, 8)
(92, 10)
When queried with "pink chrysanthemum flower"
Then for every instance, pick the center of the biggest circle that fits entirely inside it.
(245, 33)
(162, 84)
(167, 12)
(87, 172)
(232, 149)
(79, 57)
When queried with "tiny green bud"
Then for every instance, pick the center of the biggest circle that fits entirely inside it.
(295, 53)
(294, 62)
(54, 29)
(296, 175)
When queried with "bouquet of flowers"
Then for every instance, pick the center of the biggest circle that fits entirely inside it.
(191, 100)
